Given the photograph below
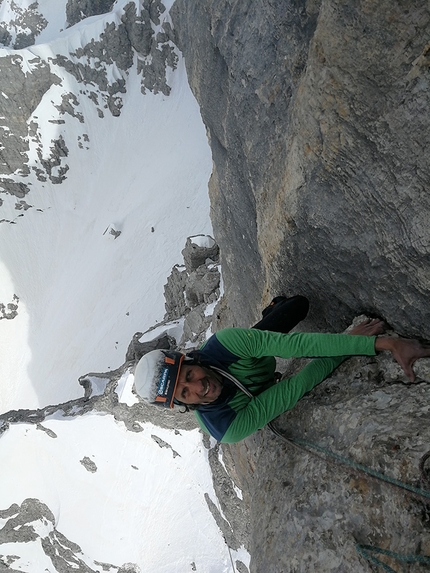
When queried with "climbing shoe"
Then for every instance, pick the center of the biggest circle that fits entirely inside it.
(275, 301)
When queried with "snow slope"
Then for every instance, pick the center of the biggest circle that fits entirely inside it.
(82, 294)
(85, 265)
(142, 503)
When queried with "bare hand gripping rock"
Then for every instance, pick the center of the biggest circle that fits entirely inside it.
(405, 351)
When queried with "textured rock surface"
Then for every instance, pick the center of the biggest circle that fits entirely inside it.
(317, 116)
(307, 513)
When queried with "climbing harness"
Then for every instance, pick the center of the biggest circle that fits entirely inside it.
(366, 551)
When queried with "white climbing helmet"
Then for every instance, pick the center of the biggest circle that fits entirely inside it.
(156, 376)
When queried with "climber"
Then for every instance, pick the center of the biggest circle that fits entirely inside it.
(230, 382)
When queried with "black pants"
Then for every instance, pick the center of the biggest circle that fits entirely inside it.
(283, 314)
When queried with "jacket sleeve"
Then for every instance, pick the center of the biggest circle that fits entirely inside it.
(253, 343)
(253, 414)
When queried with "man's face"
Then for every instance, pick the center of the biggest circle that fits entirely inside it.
(197, 385)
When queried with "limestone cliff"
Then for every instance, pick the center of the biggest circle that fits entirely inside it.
(317, 113)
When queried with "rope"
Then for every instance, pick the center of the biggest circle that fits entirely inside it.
(367, 550)
(369, 472)
(419, 493)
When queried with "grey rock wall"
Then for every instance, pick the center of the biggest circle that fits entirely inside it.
(317, 117)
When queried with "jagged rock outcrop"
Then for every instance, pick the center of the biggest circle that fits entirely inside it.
(192, 287)
(10, 310)
(98, 69)
(317, 117)
(22, 30)
(22, 93)
(33, 521)
(78, 10)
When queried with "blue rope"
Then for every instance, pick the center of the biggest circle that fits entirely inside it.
(367, 550)
(422, 493)
(367, 470)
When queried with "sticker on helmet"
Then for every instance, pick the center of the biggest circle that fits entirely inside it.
(161, 388)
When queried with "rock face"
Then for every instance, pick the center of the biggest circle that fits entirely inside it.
(317, 117)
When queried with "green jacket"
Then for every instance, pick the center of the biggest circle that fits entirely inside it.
(248, 354)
